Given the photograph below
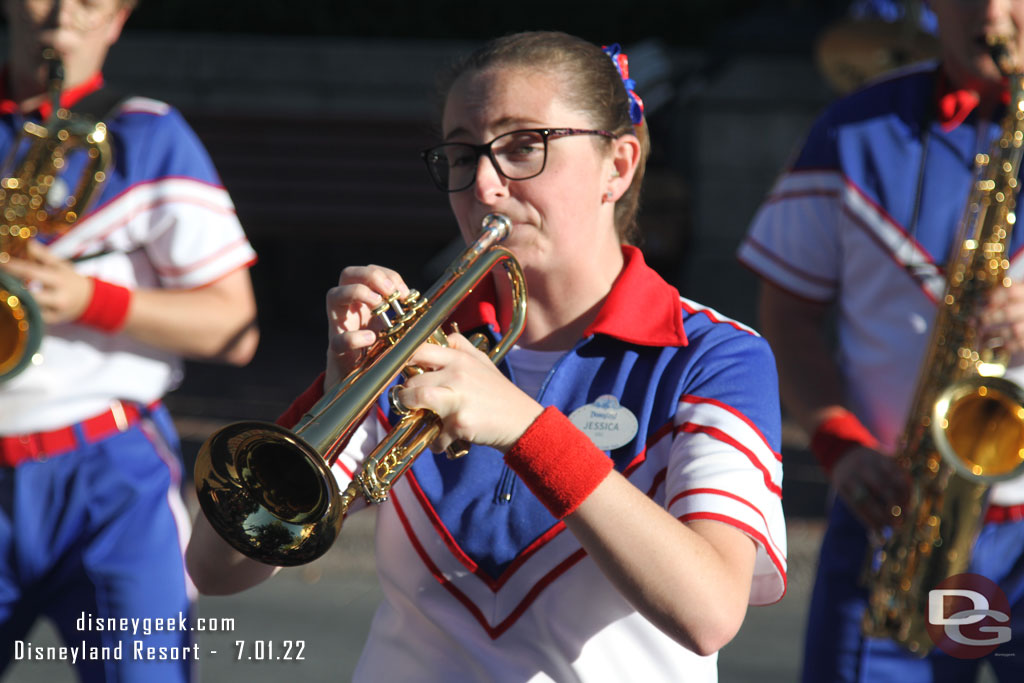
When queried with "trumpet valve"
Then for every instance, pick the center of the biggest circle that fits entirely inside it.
(396, 403)
(382, 310)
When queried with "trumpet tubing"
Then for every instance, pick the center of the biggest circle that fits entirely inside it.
(269, 491)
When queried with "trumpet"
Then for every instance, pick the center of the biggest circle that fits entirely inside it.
(269, 491)
(26, 210)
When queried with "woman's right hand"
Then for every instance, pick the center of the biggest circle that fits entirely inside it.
(351, 327)
(871, 483)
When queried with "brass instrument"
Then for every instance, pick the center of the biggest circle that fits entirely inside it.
(966, 425)
(270, 492)
(852, 51)
(27, 178)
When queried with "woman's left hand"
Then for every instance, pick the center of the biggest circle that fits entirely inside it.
(474, 400)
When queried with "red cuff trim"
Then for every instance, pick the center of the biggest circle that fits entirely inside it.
(108, 307)
(835, 436)
(301, 405)
(1000, 514)
(558, 462)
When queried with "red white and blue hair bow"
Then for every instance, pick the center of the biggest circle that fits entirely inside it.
(621, 62)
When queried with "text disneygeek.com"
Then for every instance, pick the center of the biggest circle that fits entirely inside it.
(125, 633)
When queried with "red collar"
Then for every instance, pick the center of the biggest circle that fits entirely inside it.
(640, 309)
(68, 97)
(953, 106)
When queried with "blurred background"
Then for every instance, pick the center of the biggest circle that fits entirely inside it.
(314, 114)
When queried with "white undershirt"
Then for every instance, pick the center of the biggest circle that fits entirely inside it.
(531, 368)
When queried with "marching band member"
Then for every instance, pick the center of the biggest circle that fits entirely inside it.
(620, 506)
(91, 520)
(864, 222)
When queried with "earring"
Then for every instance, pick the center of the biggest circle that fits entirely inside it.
(608, 196)
(615, 173)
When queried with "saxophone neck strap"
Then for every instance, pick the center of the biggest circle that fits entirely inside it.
(99, 105)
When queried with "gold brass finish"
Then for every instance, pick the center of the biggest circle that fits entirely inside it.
(27, 179)
(270, 492)
(966, 424)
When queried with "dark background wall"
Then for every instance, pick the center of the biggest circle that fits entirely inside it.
(314, 114)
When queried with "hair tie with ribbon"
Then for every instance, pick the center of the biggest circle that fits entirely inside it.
(621, 62)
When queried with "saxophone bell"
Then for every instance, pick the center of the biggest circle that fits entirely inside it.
(965, 428)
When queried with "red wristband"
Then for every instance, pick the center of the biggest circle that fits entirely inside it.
(558, 462)
(306, 400)
(108, 307)
(835, 436)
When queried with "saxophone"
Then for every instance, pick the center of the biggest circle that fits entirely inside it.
(27, 176)
(966, 425)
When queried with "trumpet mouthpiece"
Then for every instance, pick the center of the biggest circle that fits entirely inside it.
(498, 223)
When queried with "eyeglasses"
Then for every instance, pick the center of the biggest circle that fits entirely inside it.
(518, 155)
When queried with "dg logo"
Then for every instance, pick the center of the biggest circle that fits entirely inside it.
(968, 616)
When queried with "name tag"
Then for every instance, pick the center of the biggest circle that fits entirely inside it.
(608, 424)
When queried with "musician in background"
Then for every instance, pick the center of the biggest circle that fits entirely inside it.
(862, 224)
(91, 520)
(539, 555)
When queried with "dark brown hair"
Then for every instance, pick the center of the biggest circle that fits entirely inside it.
(594, 87)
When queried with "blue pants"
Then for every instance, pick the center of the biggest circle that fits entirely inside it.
(836, 651)
(89, 536)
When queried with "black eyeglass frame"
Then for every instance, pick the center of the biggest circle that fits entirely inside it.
(486, 148)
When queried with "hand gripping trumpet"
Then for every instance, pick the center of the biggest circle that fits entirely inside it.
(270, 493)
(26, 208)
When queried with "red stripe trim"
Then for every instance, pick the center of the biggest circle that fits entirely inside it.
(735, 497)
(210, 258)
(718, 434)
(382, 418)
(493, 583)
(696, 400)
(94, 215)
(859, 222)
(753, 533)
(241, 266)
(887, 218)
(494, 632)
(775, 283)
(800, 194)
(906, 238)
(694, 310)
(147, 208)
(882, 215)
(1017, 253)
(641, 457)
(771, 256)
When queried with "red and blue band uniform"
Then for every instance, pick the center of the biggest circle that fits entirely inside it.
(865, 219)
(92, 525)
(482, 579)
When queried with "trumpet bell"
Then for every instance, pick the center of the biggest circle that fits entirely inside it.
(20, 327)
(271, 496)
(978, 427)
